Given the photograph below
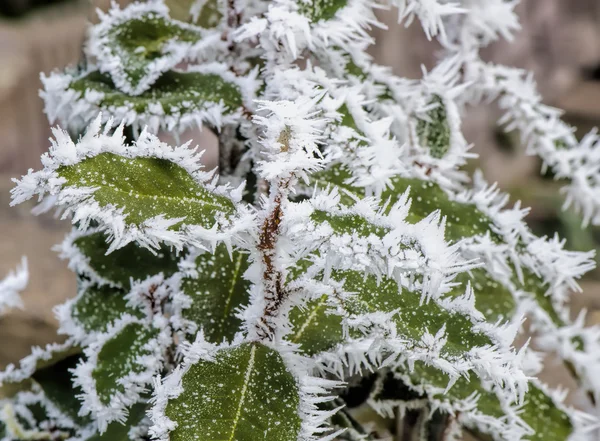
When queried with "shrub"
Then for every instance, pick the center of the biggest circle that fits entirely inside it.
(343, 258)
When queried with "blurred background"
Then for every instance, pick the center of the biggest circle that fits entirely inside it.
(559, 42)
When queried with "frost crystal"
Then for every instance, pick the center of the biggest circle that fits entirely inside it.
(344, 257)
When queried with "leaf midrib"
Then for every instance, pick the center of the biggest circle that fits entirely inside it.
(247, 376)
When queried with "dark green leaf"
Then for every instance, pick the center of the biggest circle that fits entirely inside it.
(96, 307)
(129, 262)
(247, 394)
(217, 291)
(120, 357)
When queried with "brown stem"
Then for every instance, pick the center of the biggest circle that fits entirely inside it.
(275, 292)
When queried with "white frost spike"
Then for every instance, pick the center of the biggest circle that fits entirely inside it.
(12, 285)
(292, 134)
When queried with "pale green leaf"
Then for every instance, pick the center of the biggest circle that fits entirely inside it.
(435, 132)
(119, 357)
(177, 93)
(216, 292)
(137, 49)
(145, 188)
(247, 394)
(321, 9)
(96, 307)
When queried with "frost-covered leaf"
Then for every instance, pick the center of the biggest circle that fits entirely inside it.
(207, 94)
(481, 407)
(212, 292)
(246, 391)
(93, 310)
(45, 405)
(137, 44)
(462, 220)
(147, 192)
(120, 364)
(153, 187)
(434, 129)
(14, 379)
(88, 256)
(314, 327)
(414, 319)
(321, 9)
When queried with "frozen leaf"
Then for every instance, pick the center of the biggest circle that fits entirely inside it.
(206, 95)
(479, 406)
(147, 192)
(434, 129)
(120, 364)
(213, 293)
(244, 392)
(88, 255)
(94, 309)
(138, 44)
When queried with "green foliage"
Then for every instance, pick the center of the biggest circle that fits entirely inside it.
(122, 356)
(125, 264)
(138, 42)
(216, 292)
(145, 188)
(435, 132)
(97, 307)
(247, 394)
(178, 93)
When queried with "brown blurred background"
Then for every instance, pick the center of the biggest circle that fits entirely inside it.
(560, 42)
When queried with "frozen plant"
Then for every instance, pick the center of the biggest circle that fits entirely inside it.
(342, 278)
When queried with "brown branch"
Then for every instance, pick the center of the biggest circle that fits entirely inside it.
(275, 291)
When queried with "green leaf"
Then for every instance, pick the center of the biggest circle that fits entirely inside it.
(145, 188)
(216, 291)
(50, 398)
(314, 327)
(413, 318)
(434, 132)
(137, 49)
(57, 384)
(317, 329)
(124, 264)
(247, 394)
(120, 357)
(462, 220)
(96, 307)
(319, 10)
(177, 93)
(539, 412)
(209, 15)
(492, 298)
(120, 432)
(13, 381)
